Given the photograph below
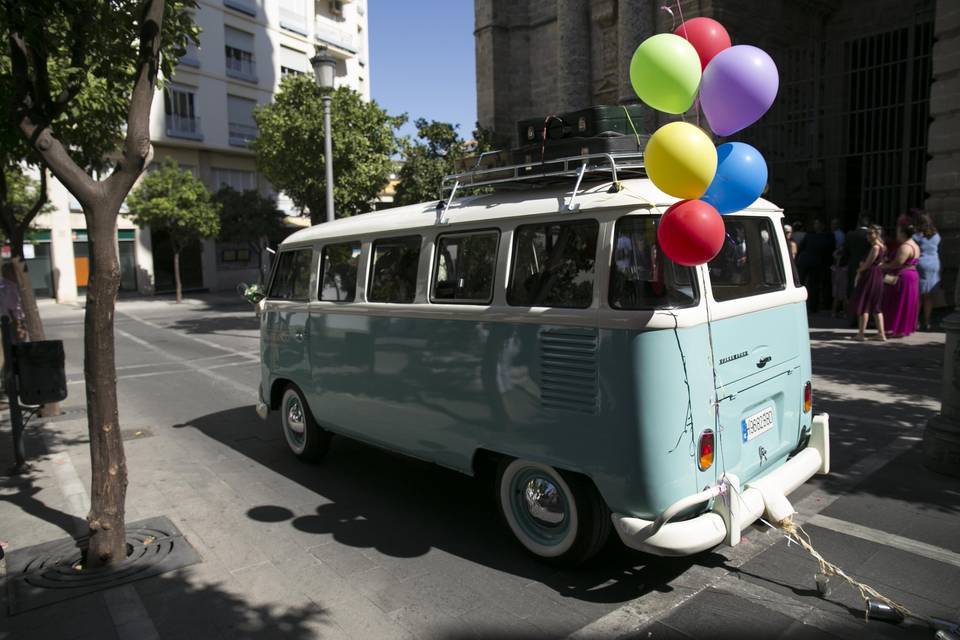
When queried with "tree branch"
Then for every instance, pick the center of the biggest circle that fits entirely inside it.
(54, 155)
(7, 219)
(78, 55)
(41, 200)
(137, 150)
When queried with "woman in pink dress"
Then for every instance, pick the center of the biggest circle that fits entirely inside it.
(868, 293)
(901, 290)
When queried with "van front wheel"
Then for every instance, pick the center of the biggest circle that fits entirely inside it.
(558, 517)
(304, 436)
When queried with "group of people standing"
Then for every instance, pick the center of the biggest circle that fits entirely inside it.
(892, 280)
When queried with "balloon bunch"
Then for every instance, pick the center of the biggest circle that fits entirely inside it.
(736, 87)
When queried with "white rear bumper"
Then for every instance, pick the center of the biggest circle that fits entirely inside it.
(734, 508)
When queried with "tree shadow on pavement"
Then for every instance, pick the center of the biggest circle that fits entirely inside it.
(220, 324)
(180, 604)
(400, 507)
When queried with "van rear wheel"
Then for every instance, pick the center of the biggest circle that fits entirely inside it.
(306, 439)
(558, 517)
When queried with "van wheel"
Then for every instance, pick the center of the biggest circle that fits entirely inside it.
(558, 517)
(304, 436)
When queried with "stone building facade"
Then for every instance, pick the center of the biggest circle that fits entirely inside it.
(857, 127)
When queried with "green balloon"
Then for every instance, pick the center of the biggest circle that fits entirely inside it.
(665, 73)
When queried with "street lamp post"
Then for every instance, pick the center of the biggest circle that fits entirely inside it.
(324, 70)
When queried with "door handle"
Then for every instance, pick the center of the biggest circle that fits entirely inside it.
(298, 335)
(762, 362)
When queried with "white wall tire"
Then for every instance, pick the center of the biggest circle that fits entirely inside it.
(305, 438)
(557, 517)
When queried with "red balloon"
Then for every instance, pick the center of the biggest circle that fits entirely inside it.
(691, 232)
(706, 35)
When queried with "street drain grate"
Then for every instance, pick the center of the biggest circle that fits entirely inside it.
(44, 574)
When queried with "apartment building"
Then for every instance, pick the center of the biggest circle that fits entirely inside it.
(203, 118)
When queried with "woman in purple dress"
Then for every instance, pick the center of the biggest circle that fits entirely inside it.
(901, 295)
(868, 283)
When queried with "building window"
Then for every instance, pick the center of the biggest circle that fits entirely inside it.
(236, 179)
(248, 7)
(293, 16)
(239, 54)
(192, 56)
(179, 107)
(293, 62)
(241, 127)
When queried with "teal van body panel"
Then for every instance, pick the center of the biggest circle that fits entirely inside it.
(612, 404)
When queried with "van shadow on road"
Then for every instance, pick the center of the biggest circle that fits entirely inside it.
(401, 507)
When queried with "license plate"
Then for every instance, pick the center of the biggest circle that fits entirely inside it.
(753, 426)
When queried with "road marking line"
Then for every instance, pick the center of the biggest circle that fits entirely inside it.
(639, 612)
(246, 390)
(909, 545)
(209, 343)
(180, 370)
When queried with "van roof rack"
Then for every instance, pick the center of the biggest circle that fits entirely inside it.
(609, 166)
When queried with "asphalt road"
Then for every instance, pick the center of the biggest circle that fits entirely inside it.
(371, 544)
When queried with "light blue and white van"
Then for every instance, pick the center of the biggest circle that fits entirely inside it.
(539, 336)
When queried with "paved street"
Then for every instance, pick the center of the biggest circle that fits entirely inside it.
(373, 545)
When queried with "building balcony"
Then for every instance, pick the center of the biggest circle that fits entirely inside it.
(242, 69)
(183, 127)
(240, 135)
(293, 21)
(339, 38)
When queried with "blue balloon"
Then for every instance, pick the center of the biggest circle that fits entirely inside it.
(740, 179)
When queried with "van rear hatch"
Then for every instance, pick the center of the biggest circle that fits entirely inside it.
(757, 353)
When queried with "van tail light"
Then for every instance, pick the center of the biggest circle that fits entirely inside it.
(807, 397)
(706, 448)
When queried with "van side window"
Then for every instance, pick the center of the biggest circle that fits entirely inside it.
(641, 276)
(292, 278)
(749, 262)
(553, 264)
(465, 267)
(338, 272)
(393, 277)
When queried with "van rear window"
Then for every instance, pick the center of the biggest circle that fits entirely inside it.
(641, 276)
(553, 264)
(291, 280)
(393, 277)
(338, 272)
(749, 263)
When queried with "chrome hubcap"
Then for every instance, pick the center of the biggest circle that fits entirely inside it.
(295, 421)
(544, 502)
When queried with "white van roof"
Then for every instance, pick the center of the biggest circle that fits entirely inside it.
(490, 207)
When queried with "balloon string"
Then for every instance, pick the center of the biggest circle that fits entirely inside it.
(673, 18)
(682, 21)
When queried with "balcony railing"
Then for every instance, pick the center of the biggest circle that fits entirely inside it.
(337, 37)
(241, 135)
(242, 69)
(183, 127)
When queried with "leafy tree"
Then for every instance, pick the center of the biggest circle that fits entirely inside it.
(172, 200)
(246, 216)
(289, 147)
(92, 64)
(431, 157)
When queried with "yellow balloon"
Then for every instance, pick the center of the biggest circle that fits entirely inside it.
(680, 160)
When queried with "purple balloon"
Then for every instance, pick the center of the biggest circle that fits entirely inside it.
(738, 86)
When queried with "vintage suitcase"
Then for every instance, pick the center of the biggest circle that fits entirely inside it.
(554, 149)
(41, 373)
(586, 123)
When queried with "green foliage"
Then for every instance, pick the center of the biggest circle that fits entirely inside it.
(88, 52)
(22, 192)
(290, 154)
(431, 157)
(173, 200)
(246, 216)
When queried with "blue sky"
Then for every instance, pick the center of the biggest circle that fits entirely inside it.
(422, 60)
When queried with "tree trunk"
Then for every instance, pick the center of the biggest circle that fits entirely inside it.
(108, 462)
(176, 276)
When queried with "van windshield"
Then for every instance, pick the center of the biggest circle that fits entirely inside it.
(641, 276)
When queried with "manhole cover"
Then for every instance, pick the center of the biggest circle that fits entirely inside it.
(46, 573)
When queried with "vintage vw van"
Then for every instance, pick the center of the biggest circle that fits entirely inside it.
(540, 335)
